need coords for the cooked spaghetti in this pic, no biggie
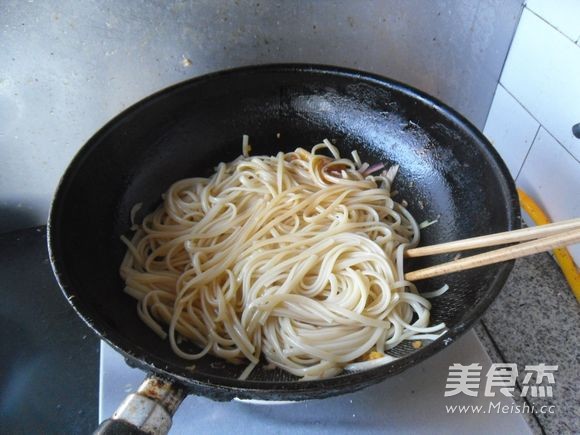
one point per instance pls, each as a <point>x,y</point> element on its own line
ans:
<point>296,258</point>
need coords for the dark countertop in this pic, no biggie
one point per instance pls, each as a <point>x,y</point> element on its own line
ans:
<point>536,320</point>
<point>50,365</point>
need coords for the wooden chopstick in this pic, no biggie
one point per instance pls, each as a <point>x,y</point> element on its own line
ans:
<point>495,239</point>
<point>498,255</point>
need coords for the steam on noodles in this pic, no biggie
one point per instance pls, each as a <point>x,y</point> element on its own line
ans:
<point>296,257</point>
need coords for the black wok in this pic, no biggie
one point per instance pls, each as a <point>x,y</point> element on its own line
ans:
<point>448,170</point>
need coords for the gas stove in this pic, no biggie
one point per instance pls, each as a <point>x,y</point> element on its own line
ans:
<point>411,402</point>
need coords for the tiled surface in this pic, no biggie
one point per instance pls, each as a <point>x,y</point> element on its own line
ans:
<point>511,129</point>
<point>535,107</point>
<point>542,72</point>
<point>552,177</point>
<point>535,320</point>
<point>564,15</point>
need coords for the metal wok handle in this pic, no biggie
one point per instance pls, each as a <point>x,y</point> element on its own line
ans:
<point>148,411</point>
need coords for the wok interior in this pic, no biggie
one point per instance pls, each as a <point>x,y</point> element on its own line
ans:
<point>447,172</point>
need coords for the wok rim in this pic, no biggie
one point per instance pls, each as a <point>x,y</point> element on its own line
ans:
<point>225,388</point>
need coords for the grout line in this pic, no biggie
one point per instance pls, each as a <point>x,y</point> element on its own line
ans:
<point>520,103</point>
<point>498,84</point>
<point>539,122</point>
<point>519,19</point>
<point>551,25</point>
<point>562,145</point>
<point>528,152</point>
<point>502,356</point>
<point>513,35</point>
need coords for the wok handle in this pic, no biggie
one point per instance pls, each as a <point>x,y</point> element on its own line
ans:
<point>148,411</point>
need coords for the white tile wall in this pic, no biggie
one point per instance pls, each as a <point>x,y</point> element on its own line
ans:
<point>552,177</point>
<point>542,71</point>
<point>511,129</point>
<point>539,98</point>
<point>564,15</point>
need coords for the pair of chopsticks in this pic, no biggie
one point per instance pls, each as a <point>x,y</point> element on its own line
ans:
<point>537,239</point>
